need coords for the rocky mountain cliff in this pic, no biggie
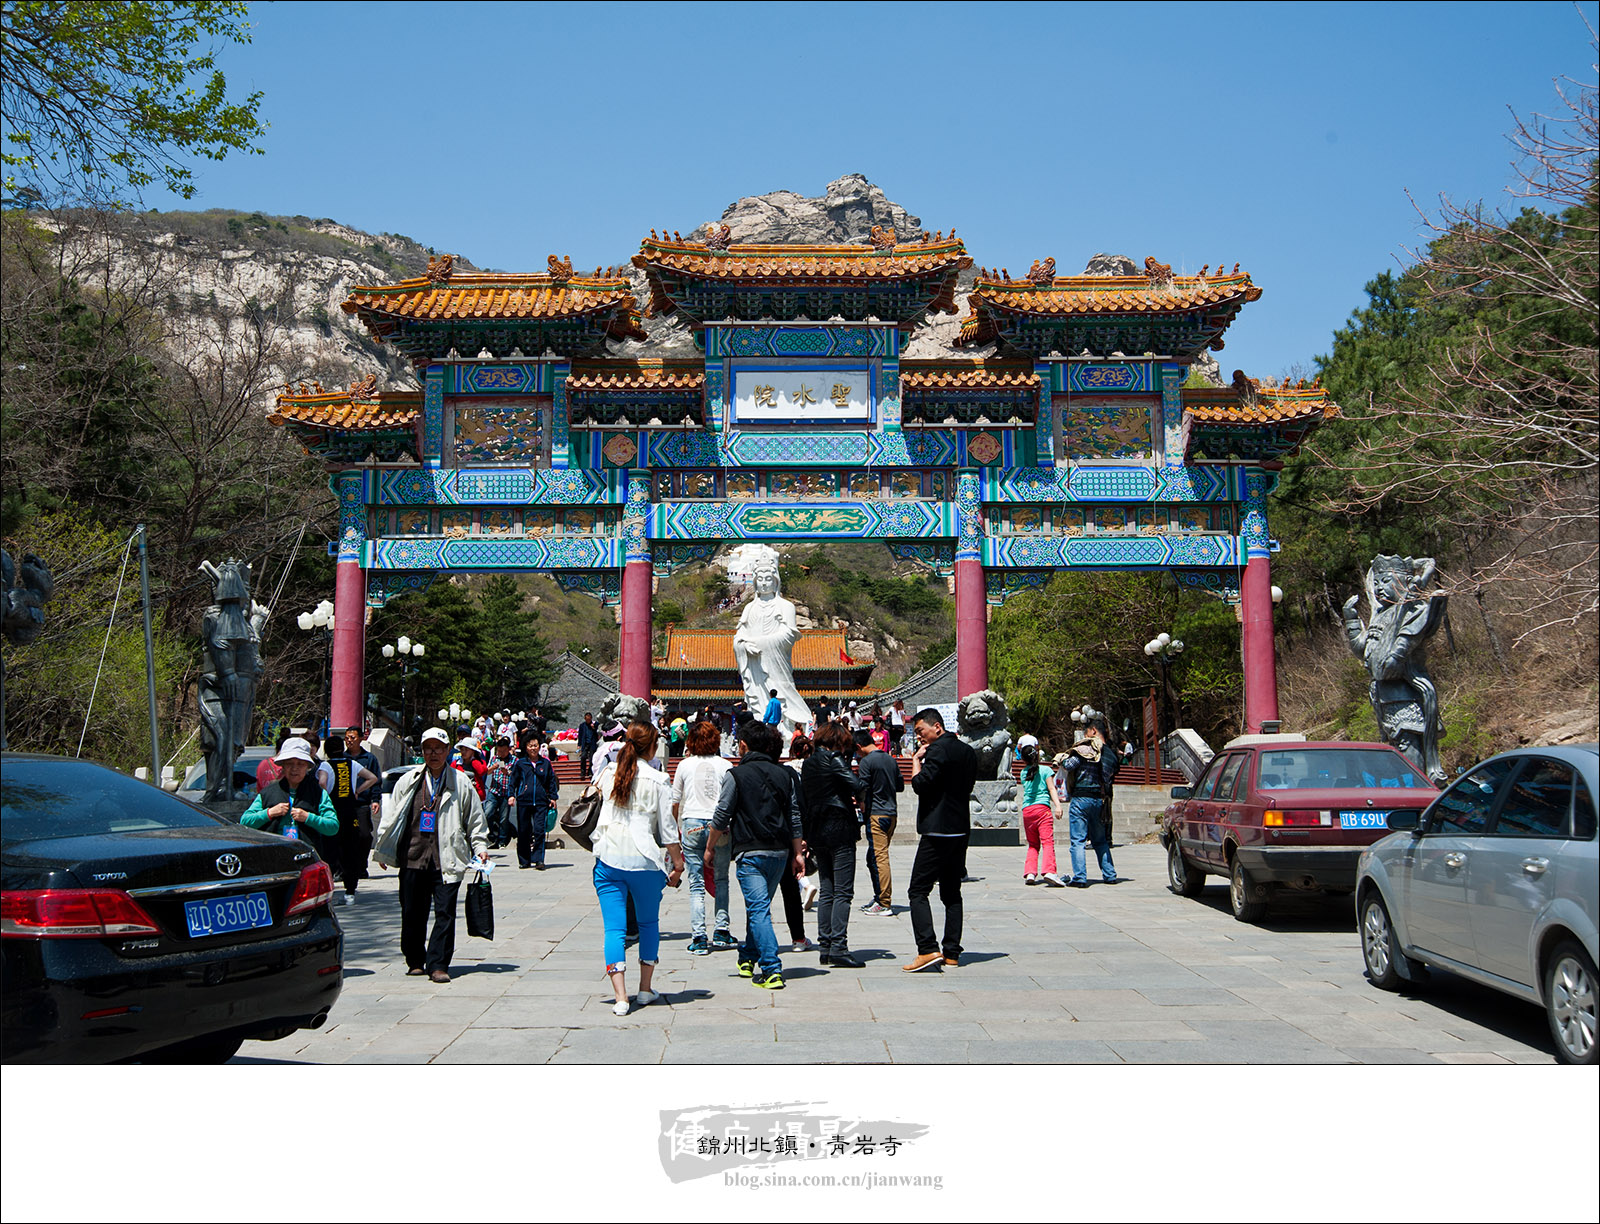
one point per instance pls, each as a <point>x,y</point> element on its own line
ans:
<point>222,267</point>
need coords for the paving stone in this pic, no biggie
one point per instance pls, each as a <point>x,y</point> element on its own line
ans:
<point>1062,1052</point>
<point>1130,973</point>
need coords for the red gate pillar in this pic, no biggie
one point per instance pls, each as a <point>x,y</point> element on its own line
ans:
<point>972,611</point>
<point>972,629</point>
<point>633,671</point>
<point>1255,607</point>
<point>349,606</point>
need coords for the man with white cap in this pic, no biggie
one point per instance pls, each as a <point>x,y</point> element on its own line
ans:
<point>433,827</point>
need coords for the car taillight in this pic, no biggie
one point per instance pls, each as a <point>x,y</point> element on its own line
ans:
<point>1274,819</point>
<point>72,913</point>
<point>313,888</point>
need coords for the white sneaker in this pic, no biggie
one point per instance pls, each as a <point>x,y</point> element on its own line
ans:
<point>349,898</point>
<point>646,997</point>
<point>801,945</point>
<point>1030,879</point>
<point>1052,880</point>
<point>620,1008</point>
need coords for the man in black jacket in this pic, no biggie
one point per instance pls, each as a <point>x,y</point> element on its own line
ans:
<point>882,813</point>
<point>759,807</point>
<point>588,741</point>
<point>942,773</point>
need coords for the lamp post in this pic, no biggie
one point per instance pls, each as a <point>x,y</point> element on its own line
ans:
<point>408,652</point>
<point>1163,649</point>
<point>321,620</point>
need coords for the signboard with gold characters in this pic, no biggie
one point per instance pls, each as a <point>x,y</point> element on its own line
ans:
<point>813,396</point>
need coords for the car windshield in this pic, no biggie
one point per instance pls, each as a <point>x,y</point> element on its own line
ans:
<point>1335,769</point>
<point>76,799</point>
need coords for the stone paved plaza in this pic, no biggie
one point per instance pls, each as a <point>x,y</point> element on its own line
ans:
<point>1103,975</point>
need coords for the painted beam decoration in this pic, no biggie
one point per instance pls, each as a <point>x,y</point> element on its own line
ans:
<point>795,400</point>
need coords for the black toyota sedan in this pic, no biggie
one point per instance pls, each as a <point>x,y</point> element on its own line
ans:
<point>137,926</point>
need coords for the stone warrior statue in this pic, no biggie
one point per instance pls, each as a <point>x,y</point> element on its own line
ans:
<point>763,645</point>
<point>231,637</point>
<point>1404,616</point>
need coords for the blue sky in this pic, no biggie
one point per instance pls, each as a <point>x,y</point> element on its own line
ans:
<point>1284,137</point>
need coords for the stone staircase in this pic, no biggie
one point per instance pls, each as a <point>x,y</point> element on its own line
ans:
<point>1136,812</point>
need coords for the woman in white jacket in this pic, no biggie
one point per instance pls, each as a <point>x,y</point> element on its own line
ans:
<point>636,854</point>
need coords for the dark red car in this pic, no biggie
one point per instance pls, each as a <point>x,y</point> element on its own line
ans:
<point>1274,812</point>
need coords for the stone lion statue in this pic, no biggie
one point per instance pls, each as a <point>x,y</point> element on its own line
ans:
<point>981,721</point>
<point>624,709</point>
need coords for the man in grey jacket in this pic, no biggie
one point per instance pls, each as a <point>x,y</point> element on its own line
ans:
<point>433,828</point>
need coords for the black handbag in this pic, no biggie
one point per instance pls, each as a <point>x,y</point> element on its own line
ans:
<point>581,817</point>
<point>480,908</point>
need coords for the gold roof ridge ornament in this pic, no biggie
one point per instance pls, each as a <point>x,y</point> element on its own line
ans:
<point>440,268</point>
<point>1159,274</point>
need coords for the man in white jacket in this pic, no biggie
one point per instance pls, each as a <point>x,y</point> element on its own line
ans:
<point>433,827</point>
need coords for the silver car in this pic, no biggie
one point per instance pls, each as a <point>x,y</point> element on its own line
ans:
<point>1496,881</point>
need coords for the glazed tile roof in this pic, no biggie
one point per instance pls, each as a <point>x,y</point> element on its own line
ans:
<point>498,298</point>
<point>662,685</point>
<point>1043,296</point>
<point>355,409</point>
<point>757,265</point>
<point>638,376</point>
<point>712,650</point>
<point>1259,405</point>
<point>971,376</point>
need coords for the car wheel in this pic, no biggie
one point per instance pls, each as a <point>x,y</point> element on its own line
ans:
<point>1183,877</point>
<point>197,1052</point>
<point>1239,888</point>
<point>1380,949</point>
<point>1569,985</point>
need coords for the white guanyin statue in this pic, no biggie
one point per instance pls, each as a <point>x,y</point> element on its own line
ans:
<point>763,645</point>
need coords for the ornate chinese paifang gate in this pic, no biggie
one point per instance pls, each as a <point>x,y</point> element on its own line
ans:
<point>1033,445</point>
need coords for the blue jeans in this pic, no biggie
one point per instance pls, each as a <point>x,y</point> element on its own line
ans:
<point>615,888</point>
<point>758,881</point>
<point>1086,820</point>
<point>694,853</point>
<point>494,808</point>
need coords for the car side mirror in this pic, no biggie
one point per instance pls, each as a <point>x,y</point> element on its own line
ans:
<point>1405,822</point>
<point>1180,792</point>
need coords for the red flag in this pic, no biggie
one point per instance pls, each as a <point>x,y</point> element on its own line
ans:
<point>844,658</point>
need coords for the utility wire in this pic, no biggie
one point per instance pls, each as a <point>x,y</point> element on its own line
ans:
<point>122,574</point>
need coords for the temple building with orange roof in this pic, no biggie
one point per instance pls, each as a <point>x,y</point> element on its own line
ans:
<point>549,436</point>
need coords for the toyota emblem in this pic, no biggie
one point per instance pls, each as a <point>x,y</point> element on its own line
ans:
<point>229,864</point>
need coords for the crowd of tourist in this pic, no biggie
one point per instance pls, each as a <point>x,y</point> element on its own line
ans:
<point>784,820</point>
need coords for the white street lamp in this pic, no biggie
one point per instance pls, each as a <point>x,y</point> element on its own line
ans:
<point>388,651</point>
<point>443,715</point>
<point>1277,595</point>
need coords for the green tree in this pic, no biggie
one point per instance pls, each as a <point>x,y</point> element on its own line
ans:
<point>105,97</point>
<point>77,682</point>
<point>517,660</point>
